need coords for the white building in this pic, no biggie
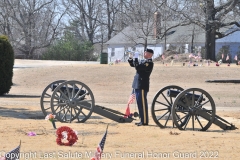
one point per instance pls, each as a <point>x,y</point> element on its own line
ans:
<point>181,38</point>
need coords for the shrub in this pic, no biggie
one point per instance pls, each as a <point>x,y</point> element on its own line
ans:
<point>71,49</point>
<point>6,65</point>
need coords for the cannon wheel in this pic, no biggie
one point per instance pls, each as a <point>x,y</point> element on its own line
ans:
<point>46,97</point>
<point>72,100</point>
<point>162,106</point>
<point>191,113</point>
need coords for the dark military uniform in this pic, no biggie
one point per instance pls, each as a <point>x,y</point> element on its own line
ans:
<point>141,85</point>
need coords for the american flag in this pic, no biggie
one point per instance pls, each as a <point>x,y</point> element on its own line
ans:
<point>236,58</point>
<point>130,101</point>
<point>176,56</point>
<point>190,55</point>
<point>14,154</point>
<point>163,57</point>
<point>100,147</point>
<point>131,98</point>
<point>227,58</point>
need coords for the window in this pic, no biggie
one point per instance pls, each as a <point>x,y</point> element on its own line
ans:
<point>112,52</point>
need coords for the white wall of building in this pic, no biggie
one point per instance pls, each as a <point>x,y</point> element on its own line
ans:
<point>120,51</point>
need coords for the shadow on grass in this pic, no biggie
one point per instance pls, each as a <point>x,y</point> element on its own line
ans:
<point>20,113</point>
<point>23,113</point>
<point>19,96</point>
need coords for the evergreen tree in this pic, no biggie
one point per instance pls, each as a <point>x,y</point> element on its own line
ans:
<point>69,48</point>
<point>6,65</point>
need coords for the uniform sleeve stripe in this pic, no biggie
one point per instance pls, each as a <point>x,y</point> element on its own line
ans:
<point>144,108</point>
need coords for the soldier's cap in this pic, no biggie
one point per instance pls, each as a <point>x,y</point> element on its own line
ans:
<point>149,50</point>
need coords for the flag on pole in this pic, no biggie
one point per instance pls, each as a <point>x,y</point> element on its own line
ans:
<point>131,98</point>
<point>127,113</point>
<point>236,58</point>
<point>130,101</point>
<point>176,56</point>
<point>100,147</point>
<point>190,55</point>
<point>163,57</point>
<point>227,58</point>
<point>14,154</point>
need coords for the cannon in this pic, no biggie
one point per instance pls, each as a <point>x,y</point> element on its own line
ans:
<point>172,106</point>
<point>74,101</point>
<point>190,109</point>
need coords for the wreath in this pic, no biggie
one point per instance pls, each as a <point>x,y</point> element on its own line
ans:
<point>71,136</point>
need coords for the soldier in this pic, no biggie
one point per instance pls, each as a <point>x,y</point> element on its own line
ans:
<point>141,82</point>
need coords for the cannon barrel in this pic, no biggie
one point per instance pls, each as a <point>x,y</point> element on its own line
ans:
<point>174,93</point>
<point>64,88</point>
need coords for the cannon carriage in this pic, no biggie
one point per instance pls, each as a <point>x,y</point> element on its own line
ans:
<point>190,109</point>
<point>74,101</point>
<point>172,106</point>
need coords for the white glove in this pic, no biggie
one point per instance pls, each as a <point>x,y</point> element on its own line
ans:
<point>130,55</point>
<point>136,55</point>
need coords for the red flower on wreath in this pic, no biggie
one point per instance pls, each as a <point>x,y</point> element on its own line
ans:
<point>70,134</point>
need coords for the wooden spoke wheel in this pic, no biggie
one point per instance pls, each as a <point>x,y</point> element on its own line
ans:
<point>162,106</point>
<point>47,95</point>
<point>72,100</point>
<point>193,109</point>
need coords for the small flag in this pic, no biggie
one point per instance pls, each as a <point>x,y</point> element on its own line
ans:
<point>190,55</point>
<point>176,56</point>
<point>131,98</point>
<point>236,58</point>
<point>14,154</point>
<point>227,58</point>
<point>127,113</point>
<point>163,57</point>
<point>130,101</point>
<point>100,147</point>
<point>199,54</point>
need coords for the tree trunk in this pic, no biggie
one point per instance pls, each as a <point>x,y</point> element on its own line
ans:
<point>210,31</point>
<point>145,44</point>
<point>207,41</point>
<point>213,44</point>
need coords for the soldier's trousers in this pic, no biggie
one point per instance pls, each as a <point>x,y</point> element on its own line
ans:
<point>141,97</point>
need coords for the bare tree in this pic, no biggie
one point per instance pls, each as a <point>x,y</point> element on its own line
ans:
<point>140,16</point>
<point>34,23</point>
<point>213,17</point>
<point>169,18</point>
<point>85,13</point>
<point>96,18</point>
<point>5,20</point>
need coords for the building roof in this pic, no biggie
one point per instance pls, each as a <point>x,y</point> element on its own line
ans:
<point>184,34</point>
<point>177,35</point>
<point>232,38</point>
<point>128,35</point>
